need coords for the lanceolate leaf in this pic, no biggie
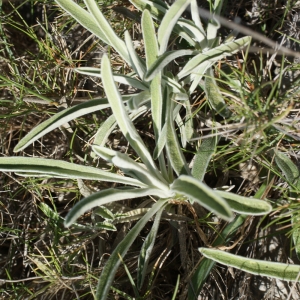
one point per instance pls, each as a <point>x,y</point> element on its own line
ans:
<point>109,125</point>
<point>258,267</point>
<point>53,215</point>
<point>59,119</point>
<point>104,197</point>
<point>289,169</point>
<point>245,205</point>
<point>212,31</point>
<point>137,64</point>
<point>164,59</point>
<point>104,212</point>
<point>151,49</point>
<point>217,6</point>
<point>130,216</point>
<point>214,55</point>
<point>111,36</point>
<point>292,174</point>
<point>198,74</point>
<point>189,120</point>
<point>105,130</point>
<point>175,86</point>
<point>169,21</point>
<point>149,34</point>
<point>142,98</point>
<point>61,169</point>
<point>197,191</point>
<point>193,31</point>
<point>296,232</point>
<point>196,17</point>
<point>214,95</point>
<point>157,10</point>
<point>104,226</point>
<point>203,156</point>
<point>111,266</point>
<point>174,151</point>
<point>83,17</point>
<point>160,144</point>
<point>132,168</point>
<point>122,117</point>
<point>124,79</point>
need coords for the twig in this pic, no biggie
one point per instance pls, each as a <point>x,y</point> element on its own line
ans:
<point>247,31</point>
<point>39,277</point>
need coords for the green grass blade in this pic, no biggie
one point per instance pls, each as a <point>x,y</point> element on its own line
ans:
<point>202,194</point>
<point>59,168</point>
<point>124,79</point>
<point>110,34</point>
<point>176,288</point>
<point>83,17</point>
<point>281,271</point>
<point>146,250</point>
<point>122,117</point>
<point>203,157</point>
<point>59,119</point>
<point>214,55</point>
<point>214,95</point>
<point>245,205</point>
<point>111,266</point>
<point>132,168</point>
<point>164,59</point>
<point>200,277</point>
<point>168,22</point>
<point>104,197</point>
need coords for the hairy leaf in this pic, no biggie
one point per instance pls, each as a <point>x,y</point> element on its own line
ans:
<point>245,205</point>
<point>61,169</point>
<point>281,271</point>
<point>197,191</point>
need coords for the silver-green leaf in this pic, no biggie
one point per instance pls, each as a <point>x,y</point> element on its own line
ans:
<point>198,192</point>
<point>245,205</point>
<point>281,271</point>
